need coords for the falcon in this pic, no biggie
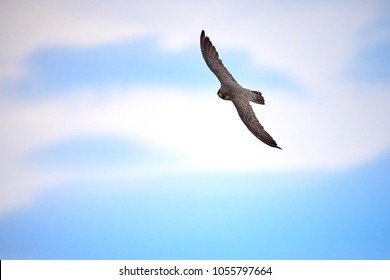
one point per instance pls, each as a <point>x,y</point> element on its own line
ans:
<point>231,90</point>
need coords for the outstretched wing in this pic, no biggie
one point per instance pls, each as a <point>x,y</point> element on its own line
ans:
<point>247,115</point>
<point>211,57</point>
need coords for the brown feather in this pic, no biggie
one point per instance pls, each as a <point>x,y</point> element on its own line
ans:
<point>248,117</point>
<point>211,57</point>
<point>238,95</point>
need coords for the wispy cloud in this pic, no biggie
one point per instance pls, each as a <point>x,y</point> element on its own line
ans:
<point>336,123</point>
<point>196,132</point>
<point>296,38</point>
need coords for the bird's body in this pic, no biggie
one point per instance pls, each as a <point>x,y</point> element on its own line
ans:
<point>231,90</point>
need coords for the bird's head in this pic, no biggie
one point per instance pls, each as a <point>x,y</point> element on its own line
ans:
<point>222,93</point>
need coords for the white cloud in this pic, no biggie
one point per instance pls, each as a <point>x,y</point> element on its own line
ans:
<point>307,40</point>
<point>27,26</point>
<point>335,124</point>
<point>198,132</point>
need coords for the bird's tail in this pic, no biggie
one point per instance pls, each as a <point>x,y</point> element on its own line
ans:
<point>257,97</point>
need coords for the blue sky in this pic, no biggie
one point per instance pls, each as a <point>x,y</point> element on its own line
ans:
<point>115,144</point>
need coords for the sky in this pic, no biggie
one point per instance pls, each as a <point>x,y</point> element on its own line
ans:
<point>115,145</point>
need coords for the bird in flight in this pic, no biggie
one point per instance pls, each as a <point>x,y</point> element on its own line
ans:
<point>231,90</point>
